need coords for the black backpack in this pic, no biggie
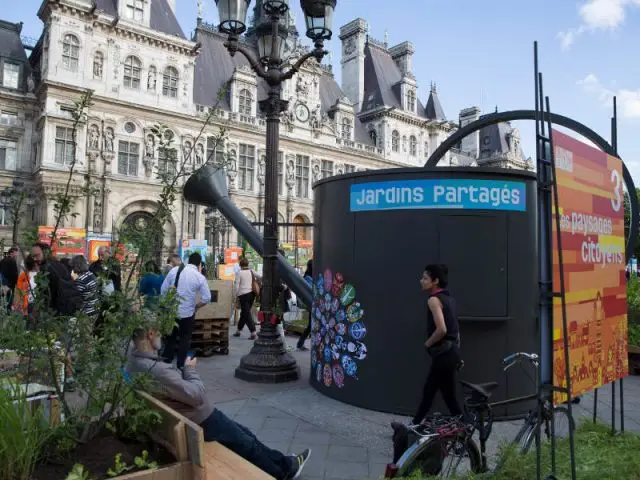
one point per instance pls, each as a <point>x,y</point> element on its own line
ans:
<point>67,298</point>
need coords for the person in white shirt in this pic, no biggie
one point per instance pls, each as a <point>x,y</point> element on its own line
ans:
<point>243,286</point>
<point>188,282</point>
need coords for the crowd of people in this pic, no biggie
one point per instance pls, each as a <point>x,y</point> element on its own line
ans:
<point>74,285</point>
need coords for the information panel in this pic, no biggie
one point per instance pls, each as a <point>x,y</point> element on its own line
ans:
<point>472,194</point>
<point>590,198</point>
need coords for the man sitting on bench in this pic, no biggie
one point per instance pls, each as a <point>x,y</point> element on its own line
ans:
<point>185,392</point>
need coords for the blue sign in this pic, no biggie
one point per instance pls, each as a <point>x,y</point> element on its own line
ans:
<point>439,194</point>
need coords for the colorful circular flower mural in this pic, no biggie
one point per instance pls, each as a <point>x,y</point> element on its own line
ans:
<point>337,330</point>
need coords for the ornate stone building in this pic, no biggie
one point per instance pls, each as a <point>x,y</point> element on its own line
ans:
<point>143,70</point>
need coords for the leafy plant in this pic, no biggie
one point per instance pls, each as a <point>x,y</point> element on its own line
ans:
<point>23,433</point>
<point>103,394</point>
<point>140,462</point>
<point>144,462</point>
<point>137,421</point>
<point>78,472</point>
<point>119,467</point>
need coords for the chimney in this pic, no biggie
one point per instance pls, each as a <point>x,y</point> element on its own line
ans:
<point>402,54</point>
<point>470,143</point>
<point>353,36</point>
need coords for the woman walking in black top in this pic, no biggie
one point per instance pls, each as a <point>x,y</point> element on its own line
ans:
<point>442,342</point>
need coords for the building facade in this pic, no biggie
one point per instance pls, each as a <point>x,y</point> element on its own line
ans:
<point>144,71</point>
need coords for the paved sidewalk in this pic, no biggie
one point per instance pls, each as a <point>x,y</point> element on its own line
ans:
<point>347,442</point>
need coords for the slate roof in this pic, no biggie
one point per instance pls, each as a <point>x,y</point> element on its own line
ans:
<point>162,17</point>
<point>433,110</point>
<point>214,67</point>
<point>109,7</point>
<point>164,20</point>
<point>10,42</point>
<point>381,84</point>
<point>494,140</point>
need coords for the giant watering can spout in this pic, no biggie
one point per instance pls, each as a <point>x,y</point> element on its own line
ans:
<point>208,187</point>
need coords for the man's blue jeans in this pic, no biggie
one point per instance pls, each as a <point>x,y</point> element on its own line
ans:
<point>239,439</point>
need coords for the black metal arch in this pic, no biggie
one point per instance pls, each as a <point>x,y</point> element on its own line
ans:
<point>499,117</point>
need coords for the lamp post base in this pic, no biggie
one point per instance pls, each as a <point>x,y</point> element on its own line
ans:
<point>268,361</point>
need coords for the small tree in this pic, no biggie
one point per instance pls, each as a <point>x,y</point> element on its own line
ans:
<point>98,360</point>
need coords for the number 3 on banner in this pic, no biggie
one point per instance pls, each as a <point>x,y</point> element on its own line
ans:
<point>616,202</point>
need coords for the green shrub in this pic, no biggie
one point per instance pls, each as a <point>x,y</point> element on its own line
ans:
<point>23,434</point>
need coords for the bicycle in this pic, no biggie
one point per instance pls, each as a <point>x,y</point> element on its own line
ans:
<point>434,445</point>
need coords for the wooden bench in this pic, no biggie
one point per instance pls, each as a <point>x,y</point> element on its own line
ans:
<point>185,440</point>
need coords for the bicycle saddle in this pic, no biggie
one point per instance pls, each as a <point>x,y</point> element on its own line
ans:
<point>483,389</point>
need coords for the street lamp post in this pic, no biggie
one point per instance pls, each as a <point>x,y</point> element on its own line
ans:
<point>268,361</point>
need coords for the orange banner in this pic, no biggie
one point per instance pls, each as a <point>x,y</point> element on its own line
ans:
<point>590,198</point>
<point>69,241</point>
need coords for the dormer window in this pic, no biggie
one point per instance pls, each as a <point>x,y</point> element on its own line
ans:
<point>245,102</point>
<point>135,10</point>
<point>10,75</point>
<point>70,52</point>
<point>346,129</point>
<point>411,101</point>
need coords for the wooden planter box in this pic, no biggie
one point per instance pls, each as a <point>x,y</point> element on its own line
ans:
<point>634,360</point>
<point>196,460</point>
<point>177,471</point>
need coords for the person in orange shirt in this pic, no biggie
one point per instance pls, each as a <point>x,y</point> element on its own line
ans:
<point>26,287</point>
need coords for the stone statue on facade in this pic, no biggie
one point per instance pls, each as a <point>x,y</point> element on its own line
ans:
<point>108,140</point>
<point>291,174</point>
<point>232,168</point>
<point>316,173</point>
<point>288,119</point>
<point>199,154</point>
<point>97,212</point>
<point>262,162</point>
<point>149,146</point>
<point>94,138</point>
<point>187,149</point>
<point>302,86</point>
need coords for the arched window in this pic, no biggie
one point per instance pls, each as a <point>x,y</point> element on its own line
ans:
<point>151,79</point>
<point>132,68</point>
<point>411,101</point>
<point>395,141</point>
<point>170,82</point>
<point>373,136</point>
<point>70,52</point>
<point>413,146</point>
<point>98,64</point>
<point>245,105</point>
<point>346,129</point>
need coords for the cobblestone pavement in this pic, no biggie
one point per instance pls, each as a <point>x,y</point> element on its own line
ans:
<point>347,442</point>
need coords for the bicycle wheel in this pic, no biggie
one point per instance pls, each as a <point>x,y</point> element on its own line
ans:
<point>561,421</point>
<point>441,457</point>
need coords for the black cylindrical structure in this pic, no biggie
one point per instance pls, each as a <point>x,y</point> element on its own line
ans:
<point>375,232</point>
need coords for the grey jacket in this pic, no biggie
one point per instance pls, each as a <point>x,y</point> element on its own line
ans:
<point>182,391</point>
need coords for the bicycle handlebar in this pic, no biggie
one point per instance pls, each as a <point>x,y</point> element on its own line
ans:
<point>512,359</point>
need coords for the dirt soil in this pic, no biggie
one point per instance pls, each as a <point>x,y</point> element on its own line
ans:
<point>98,456</point>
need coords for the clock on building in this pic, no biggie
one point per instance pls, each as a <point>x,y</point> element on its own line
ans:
<point>302,112</point>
